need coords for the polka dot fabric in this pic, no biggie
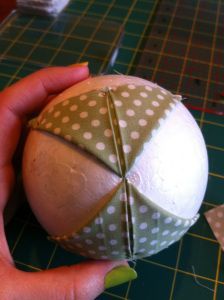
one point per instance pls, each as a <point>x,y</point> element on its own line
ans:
<point>154,228</point>
<point>103,237</point>
<point>215,218</point>
<point>130,226</point>
<point>113,124</point>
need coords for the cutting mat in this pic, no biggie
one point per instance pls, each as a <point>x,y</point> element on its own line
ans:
<point>179,45</point>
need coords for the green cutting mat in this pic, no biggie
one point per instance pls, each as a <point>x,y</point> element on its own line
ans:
<point>180,46</point>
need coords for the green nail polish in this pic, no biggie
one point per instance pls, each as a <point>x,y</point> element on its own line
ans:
<point>119,275</point>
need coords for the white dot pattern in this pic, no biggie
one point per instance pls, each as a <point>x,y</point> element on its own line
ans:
<point>99,220</point>
<point>148,88</point>
<point>65,119</point>
<point>83,97</point>
<point>118,103</point>
<point>137,102</point>
<point>103,110</point>
<point>143,94</point>
<point>122,123</point>
<point>76,126</point>
<point>131,86</point>
<point>113,242</point>
<point>155,103</point>
<point>156,215</point>
<point>142,240</point>
<point>135,135</point>
<point>57,130</point>
<point>87,135</point>
<point>155,230</point>
<point>83,114</point>
<point>143,226</point>
<point>95,123</point>
<point>100,146</point>
<point>168,220</point>
<point>108,132</point>
<point>74,107</point>
<point>149,238</point>
<point>100,235</point>
<point>113,158</point>
<point>130,112</point>
<point>125,94</point>
<point>142,122</point>
<point>111,210</point>
<point>65,103</point>
<point>57,114</point>
<point>112,227</point>
<point>127,148</point>
<point>48,125</point>
<point>149,112</point>
<point>135,111</point>
<point>97,120</point>
<point>92,103</point>
<point>143,209</point>
<point>86,229</point>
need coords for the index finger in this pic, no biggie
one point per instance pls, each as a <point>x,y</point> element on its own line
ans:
<point>31,92</point>
<point>28,95</point>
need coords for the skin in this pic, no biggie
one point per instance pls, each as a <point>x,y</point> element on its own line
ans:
<point>83,281</point>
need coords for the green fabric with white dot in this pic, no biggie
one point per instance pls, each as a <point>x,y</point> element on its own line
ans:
<point>113,124</point>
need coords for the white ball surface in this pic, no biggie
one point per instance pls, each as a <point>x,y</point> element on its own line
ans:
<point>60,179</point>
<point>173,166</point>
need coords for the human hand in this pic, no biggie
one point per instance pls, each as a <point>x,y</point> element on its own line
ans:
<point>83,281</point>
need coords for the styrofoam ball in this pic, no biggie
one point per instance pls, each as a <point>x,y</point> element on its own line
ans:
<point>100,211</point>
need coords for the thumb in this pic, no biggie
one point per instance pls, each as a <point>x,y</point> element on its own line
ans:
<point>84,281</point>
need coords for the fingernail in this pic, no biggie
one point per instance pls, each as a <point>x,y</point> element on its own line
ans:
<point>82,64</point>
<point>119,275</point>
